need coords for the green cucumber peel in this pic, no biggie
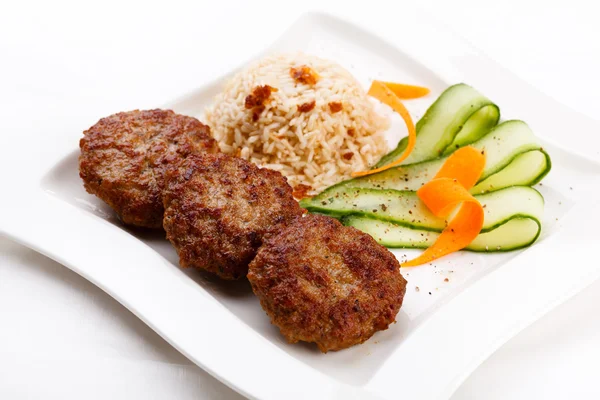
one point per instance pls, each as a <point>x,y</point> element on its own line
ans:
<point>460,116</point>
<point>405,209</point>
<point>513,234</point>
<point>513,157</point>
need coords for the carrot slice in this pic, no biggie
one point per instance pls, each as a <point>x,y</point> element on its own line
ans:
<point>407,92</point>
<point>446,191</point>
<point>465,165</point>
<point>381,92</point>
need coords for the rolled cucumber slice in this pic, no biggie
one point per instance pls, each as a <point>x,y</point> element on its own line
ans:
<point>513,157</point>
<point>404,208</point>
<point>526,169</point>
<point>514,234</point>
<point>460,116</point>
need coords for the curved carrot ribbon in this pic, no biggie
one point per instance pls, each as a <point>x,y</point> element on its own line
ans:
<point>407,92</point>
<point>446,191</point>
<point>383,93</point>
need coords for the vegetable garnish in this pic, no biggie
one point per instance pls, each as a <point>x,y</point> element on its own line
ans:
<point>407,92</point>
<point>383,93</point>
<point>447,190</point>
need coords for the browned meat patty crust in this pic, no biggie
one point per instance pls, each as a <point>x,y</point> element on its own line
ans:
<point>219,209</point>
<point>322,282</point>
<point>124,157</point>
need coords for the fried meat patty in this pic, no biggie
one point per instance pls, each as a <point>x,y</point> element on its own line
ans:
<point>322,282</point>
<point>124,157</point>
<point>219,209</point>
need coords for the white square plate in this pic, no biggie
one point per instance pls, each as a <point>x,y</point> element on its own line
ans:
<point>444,330</point>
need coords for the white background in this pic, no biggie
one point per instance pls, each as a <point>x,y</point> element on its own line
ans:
<point>64,65</point>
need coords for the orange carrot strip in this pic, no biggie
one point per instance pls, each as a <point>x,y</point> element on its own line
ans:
<point>463,228</point>
<point>381,92</point>
<point>407,92</point>
<point>447,190</point>
<point>465,164</point>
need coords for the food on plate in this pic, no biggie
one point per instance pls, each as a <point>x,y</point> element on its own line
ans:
<point>383,92</point>
<point>515,233</point>
<point>402,202</point>
<point>219,209</point>
<point>407,92</point>
<point>460,116</point>
<point>315,124</point>
<point>322,282</point>
<point>124,157</point>
<point>400,219</point>
<point>513,155</point>
<point>459,180</point>
<point>447,196</point>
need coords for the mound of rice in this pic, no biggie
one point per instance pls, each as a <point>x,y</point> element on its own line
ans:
<point>313,149</point>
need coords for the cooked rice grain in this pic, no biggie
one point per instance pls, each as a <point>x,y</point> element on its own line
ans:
<point>307,147</point>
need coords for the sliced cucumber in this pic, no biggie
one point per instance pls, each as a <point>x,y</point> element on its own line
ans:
<point>513,157</point>
<point>516,233</point>
<point>526,169</point>
<point>475,127</point>
<point>405,209</point>
<point>460,116</point>
<point>386,205</point>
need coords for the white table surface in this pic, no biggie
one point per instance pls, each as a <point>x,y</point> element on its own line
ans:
<point>63,65</point>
